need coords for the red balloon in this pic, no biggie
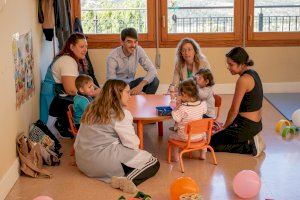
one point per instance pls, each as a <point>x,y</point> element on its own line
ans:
<point>183,185</point>
<point>246,184</point>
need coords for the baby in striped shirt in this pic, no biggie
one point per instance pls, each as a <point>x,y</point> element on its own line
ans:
<point>189,108</point>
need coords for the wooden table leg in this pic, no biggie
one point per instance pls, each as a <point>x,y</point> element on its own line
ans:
<point>160,128</point>
<point>140,133</point>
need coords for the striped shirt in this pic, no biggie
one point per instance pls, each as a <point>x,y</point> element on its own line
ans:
<point>189,111</point>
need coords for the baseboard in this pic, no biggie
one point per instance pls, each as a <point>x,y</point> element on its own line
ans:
<point>9,179</point>
<point>284,87</point>
<point>228,88</point>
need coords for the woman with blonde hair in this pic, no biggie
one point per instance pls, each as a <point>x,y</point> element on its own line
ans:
<point>189,59</point>
<point>107,147</point>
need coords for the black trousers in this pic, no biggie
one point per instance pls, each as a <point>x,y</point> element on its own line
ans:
<point>235,138</point>
<point>58,108</point>
<point>140,175</point>
<point>150,88</point>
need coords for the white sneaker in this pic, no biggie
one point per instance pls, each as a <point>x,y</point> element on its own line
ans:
<point>259,145</point>
<point>51,126</point>
<point>124,184</point>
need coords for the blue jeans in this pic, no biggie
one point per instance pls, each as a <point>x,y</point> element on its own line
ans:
<point>150,88</point>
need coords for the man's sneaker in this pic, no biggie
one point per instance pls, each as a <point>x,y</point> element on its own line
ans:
<point>258,145</point>
<point>63,130</point>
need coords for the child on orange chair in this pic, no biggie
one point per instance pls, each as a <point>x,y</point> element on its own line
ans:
<point>189,108</point>
<point>85,91</point>
<point>205,81</point>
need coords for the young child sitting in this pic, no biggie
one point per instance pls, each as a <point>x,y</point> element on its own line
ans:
<point>189,109</point>
<point>205,81</point>
<point>85,91</point>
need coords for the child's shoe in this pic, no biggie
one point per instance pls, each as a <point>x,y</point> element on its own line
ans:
<point>175,158</point>
<point>175,155</point>
<point>203,154</point>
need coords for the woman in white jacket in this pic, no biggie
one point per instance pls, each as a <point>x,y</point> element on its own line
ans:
<point>107,146</point>
<point>189,59</point>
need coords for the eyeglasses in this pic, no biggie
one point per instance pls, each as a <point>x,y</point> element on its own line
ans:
<point>129,42</point>
<point>186,50</point>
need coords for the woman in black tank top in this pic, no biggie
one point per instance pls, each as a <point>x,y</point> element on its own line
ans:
<point>243,122</point>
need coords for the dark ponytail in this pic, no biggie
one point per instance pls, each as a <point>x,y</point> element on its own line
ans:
<point>240,56</point>
<point>250,63</point>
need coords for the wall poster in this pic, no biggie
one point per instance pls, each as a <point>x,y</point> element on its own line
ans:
<point>23,61</point>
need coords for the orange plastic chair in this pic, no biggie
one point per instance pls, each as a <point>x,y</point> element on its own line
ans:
<point>193,127</point>
<point>218,102</point>
<point>72,124</point>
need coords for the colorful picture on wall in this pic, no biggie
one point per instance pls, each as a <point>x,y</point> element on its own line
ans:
<point>23,61</point>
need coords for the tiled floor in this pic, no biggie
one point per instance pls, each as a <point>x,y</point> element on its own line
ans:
<point>278,167</point>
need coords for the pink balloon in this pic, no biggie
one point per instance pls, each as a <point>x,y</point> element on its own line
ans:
<point>42,198</point>
<point>246,184</point>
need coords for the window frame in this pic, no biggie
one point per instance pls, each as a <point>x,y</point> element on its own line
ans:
<point>243,33</point>
<point>268,38</point>
<point>205,39</point>
<point>96,41</point>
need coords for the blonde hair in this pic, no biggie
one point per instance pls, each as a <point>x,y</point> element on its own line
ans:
<point>198,54</point>
<point>106,105</point>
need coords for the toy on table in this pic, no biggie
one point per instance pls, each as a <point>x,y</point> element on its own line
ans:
<point>163,110</point>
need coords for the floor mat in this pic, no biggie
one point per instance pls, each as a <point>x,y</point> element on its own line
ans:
<point>285,103</point>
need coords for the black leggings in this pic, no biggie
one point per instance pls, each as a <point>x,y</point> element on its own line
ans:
<point>235,138</point>
<point>140,175</point>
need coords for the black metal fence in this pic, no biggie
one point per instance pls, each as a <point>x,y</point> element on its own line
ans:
<point>94,22</point>
<point>262,22</point>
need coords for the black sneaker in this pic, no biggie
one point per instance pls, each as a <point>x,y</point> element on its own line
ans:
<point>63,131</point>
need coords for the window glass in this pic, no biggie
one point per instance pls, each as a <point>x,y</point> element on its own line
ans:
<point>195,16</point>
<point>276,15</point>
<point>111,16</point>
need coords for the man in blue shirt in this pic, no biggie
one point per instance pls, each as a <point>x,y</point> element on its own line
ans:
<point>122,63</point>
